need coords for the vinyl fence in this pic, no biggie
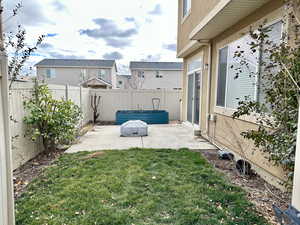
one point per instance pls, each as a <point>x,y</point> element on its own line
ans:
<point>114,100</point>
<point>24,149</point>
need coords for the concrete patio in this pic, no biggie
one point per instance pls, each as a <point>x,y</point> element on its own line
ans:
<point>172,136</point>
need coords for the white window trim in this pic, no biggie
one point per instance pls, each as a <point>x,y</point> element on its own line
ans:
<point>200,70</point>
<point>225,111</point>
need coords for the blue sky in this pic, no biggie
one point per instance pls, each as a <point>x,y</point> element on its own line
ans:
<point>125,30</point>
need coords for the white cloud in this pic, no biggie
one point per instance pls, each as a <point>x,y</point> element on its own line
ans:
<point>125,27</point>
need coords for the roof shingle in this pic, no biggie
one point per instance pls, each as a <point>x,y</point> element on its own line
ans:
<point>156,65</point>
<point>76,63</point>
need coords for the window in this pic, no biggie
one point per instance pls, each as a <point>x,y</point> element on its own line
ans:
<point>158,74</point>
<point>186,7</point>
<point>120,82</point>
<point>50,73</point>
<point>223,54</point>
<point>231,90</point>
<point>102,74</point>
<point>275,35</point>
<point>141,74</point>
<point>83,74</point>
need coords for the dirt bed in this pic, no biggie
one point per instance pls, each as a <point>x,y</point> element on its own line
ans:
<point>262,194</point>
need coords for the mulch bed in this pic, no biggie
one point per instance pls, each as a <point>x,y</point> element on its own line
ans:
<point>260,193</point>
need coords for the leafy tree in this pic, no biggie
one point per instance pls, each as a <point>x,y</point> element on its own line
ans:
<point>277,113</point>
<point>54,121</point>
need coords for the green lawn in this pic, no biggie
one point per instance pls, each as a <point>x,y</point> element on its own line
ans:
<point>134,187</point>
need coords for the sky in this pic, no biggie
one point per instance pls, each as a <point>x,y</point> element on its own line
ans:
<point>124,30</point>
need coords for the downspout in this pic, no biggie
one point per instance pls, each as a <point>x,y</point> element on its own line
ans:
<point>209,78</point>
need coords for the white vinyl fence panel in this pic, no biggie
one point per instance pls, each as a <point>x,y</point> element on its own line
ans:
<point>86,105</point>
<point>114,100</point>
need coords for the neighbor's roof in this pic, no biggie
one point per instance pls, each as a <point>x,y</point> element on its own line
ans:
<point>95,81</point>
<point>76,63</point>
<point>157,65</point>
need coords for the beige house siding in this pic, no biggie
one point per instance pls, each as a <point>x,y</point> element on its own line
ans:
<point>73,75</point>
<point>171,79</point>
<point>225,132</point>
<point>199,9</point>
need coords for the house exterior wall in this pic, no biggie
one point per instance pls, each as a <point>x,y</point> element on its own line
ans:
<point>124,79</point>
<point>171,79</point>
<point>224,131</point>
<point>113,77</point>
<point>73,75</point>
<point>200,8</point>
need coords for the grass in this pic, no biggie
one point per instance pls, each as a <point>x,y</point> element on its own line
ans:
<point>134,187</point>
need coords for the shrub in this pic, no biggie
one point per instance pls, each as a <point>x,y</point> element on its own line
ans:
<point>54,121</point>
<point>277,114</point>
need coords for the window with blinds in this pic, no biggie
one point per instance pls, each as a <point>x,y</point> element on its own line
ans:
<point>231,90</point>
<point>223,55</point>
<point>245,85</point>
<point>275,36</point>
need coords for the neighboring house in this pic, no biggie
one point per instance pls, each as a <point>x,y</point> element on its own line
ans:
<point>123,81</point>
<point>76,72</point>
<point>156,75</point>
<point>209,33</point>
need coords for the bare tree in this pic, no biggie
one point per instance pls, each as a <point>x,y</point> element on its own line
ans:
<point>16,43</point>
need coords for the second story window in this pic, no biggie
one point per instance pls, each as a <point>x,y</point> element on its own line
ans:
<point>101,74</point>
<point>186,7</point>
<point>141,74</point>
<point>83,74</point>
<point>50,73</point>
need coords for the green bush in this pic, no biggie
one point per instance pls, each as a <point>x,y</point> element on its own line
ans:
<point>277,114</point>
<point>54,121</point>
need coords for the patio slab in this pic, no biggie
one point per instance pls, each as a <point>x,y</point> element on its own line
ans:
<point>172,136</point>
